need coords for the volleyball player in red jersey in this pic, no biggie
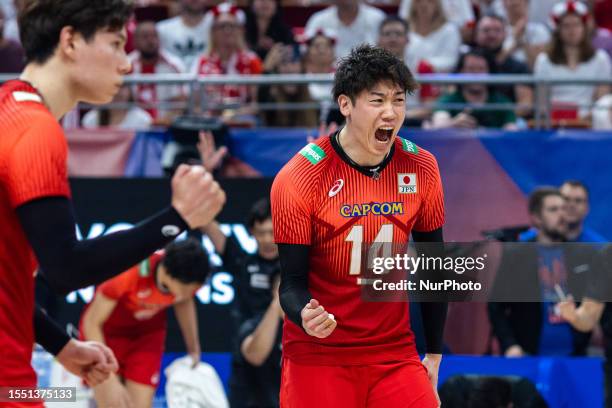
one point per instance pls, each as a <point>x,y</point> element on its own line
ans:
<point>361,184</point>
<point>74,51</point>
<point>128,314</point>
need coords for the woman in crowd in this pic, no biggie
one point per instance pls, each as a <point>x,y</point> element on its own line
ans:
<point>265,26</point>
<point>434,41</point>
<point>571,55</point>
<point>228,54</point>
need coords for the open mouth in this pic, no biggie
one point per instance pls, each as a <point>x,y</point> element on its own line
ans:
<point>383,134</point>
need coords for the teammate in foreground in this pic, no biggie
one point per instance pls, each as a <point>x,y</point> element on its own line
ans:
<point>74,51</point>
<point>365,356</point>
<point>128,314</point>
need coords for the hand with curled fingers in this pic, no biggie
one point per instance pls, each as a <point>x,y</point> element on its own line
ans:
<point>196,196</point>
<point>316,321</point>
<point>90,360</point>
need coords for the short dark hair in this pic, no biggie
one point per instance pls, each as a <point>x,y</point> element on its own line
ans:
<point>40,22</point>
<point>186,261</point>
<point>394,19</point>
<point>476,52</point>
<point>490,392</point>
<point>366,66</point>
<point>576,183</point>
<point>259,212</point>
<point>494,16</point>
<point>537,196</point>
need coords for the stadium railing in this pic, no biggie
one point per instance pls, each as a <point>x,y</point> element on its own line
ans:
<point>197,98</point>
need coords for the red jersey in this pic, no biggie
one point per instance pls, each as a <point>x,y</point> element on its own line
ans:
<point>320,200</point>
<point>243,62</point>
<point>140,304</point>
<point>33,153</point>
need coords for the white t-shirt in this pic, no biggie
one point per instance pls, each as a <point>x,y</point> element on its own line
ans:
<point>440,48</point>
<point>149,94</point>
<point>135,119</point>
<point>363,30</point>
<point>602,113</point>
<point>182,41</point>
<point>535,34</point>
<point>459,12</point>
<point>597,67</point>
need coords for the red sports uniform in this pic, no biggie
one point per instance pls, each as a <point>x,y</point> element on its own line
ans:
<point>320,200</point>
<point>136,328</point>
<point>33,154</point>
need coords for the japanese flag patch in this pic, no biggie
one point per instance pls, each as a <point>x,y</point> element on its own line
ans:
<point>407,183</point>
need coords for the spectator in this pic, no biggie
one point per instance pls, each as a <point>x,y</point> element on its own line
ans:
<point>576,195</point>
<point>260,347</point>
<point>11,53</point>
<point>227,54</point>
<point>571,55</point>
<point>121,117</point>
<point>265,26</point>
<point>286,59</point>
<point>602,113</point>
<point>434,41</point>
<point>476,95</point>
<point>147,58</point>
<point>458,12</point>
<point>319,58</point>
<point>254,276</point>
<point>527,38</point>
<point>393,36</point>
<point>529,280</point>
<point>352,21</point>
<point>186,36</point>
<point>490,35</point>
<point>10,29</point>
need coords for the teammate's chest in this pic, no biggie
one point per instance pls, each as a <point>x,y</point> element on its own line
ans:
<point>350,198</point>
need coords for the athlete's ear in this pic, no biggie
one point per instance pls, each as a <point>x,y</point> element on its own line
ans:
<point>345,104</point>
<point>67,39</point>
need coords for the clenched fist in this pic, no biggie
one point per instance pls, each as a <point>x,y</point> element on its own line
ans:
<point>196,196</point>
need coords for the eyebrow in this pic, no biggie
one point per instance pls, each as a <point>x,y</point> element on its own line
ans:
<point>382,94</point>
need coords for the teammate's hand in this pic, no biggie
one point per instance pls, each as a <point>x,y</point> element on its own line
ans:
<point>196,357</point>
<point>432,364</point>
<point>515,351</point>
<point>567,309</point>
<point>209,154</point>
<point>196,196</point>
<point>316,321</point>
<point>90,360</point>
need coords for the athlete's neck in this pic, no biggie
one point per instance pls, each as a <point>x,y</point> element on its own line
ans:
<point>54,88</point>
<point>352,147</point>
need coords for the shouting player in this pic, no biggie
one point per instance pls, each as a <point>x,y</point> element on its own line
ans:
<point>338,350</point>
<point>128,314</point>
<point>75,52</point>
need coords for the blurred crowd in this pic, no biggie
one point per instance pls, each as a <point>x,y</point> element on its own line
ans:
<point>547,39</point>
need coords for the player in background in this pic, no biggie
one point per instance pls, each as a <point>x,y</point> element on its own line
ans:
<point>75,52</point>
<point>128,314</point>
<point>362,184</point>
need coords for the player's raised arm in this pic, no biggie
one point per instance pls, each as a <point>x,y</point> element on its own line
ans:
<point>70,264</point>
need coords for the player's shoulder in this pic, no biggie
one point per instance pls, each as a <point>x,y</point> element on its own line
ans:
<point>23,108</point>
<point>309,162</point>
<point>409,151</point>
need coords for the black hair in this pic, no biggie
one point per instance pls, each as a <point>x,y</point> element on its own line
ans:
<point>186,261</point>
<point>41,21</point>
<point>394,19</point>
<point>577,183</point>
<point>260,211</point>
<point>537,197</point>
<point>476,52</point>
<point>491,392</point>
<point>366,66</point>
